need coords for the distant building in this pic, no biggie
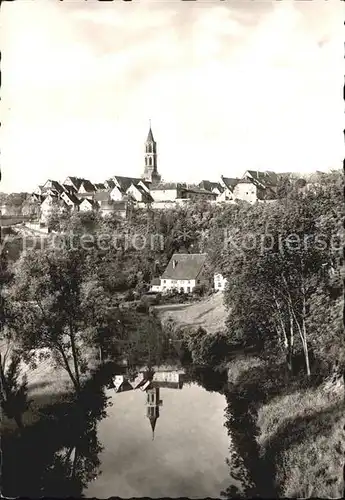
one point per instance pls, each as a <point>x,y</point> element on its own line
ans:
<point>219,282</point>
<point>87,205</point>
<point>228,185</point>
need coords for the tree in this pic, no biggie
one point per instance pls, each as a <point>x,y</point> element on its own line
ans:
<point>273,280</point>
<point>50,308</point>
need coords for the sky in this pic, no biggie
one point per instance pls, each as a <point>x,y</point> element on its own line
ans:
<point>229,85</point>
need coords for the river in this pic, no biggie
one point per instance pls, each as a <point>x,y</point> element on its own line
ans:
<point>158,434</point>
<point>185,456</point>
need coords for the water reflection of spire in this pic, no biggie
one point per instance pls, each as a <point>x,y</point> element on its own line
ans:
<point>153,404</point>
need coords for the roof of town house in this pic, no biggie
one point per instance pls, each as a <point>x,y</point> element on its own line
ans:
<point>55,185</point>
<point>88,186</point>
<point>110,183</point>
<point>147,198</point>
<point>100,186</point>
<point>209,185</point>
<point>76,181</point>
<point>230,182</point>
<point>125,182</point>
<point>162,186</point>
<point>199,191</point>
<point>88,201</point>
<point>72,197</point>
<point>267,177</point>
<point>188,266</point>
<point>69,189</point>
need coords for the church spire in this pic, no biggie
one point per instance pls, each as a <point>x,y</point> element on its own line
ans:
<point>150,134</point>
<point>150,171</point>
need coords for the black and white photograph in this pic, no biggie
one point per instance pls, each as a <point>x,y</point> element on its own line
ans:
<point>172,249</point>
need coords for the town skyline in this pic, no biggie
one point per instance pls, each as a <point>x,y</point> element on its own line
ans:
<point>228,86</point>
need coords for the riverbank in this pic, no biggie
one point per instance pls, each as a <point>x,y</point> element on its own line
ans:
<point>297,426</point>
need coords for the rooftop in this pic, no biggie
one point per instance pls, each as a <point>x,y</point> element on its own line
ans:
<point>185,266</point>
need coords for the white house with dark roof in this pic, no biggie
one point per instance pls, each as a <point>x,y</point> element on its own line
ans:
<point>86,205</point>
<point>228,184</point>
<point>155,285</point>
<point>184,272</point>
<point>252,189</point>
<point>219,282</point>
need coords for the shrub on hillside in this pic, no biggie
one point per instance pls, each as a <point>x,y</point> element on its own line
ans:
<point>206,349</point>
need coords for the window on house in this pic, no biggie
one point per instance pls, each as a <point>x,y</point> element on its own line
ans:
<point>198,282</point>
<point>164,281</point>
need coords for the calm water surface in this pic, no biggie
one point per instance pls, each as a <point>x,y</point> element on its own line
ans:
<point>185,456</point>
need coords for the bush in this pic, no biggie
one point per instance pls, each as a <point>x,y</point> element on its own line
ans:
<point>199,290</point>
<point>129,296</point>
<point>207,349</point>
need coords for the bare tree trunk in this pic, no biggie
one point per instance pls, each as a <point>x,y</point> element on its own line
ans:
<point>304,331</point>
<point>286,340</point>
<point>75,356</point>
<point>290,342</point>
<point>305,347</point>
<point>68,368</point>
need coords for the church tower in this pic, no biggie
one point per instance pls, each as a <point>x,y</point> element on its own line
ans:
<point>152,407</point>
<point>150,171</point>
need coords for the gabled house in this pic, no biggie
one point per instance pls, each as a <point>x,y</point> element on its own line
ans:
<point>86,189</point>
<point>184,272</point>
<point>51,186</point>
<point>50,203</point>
<point>264,178</point>
<point>71,201</point>
<point>116,194</point>
<point>214,187</point>
<point>139,194</point>
<point>109,184</point>
<point>123,183</point>
<point>228,185</point>
<point>86,205</point>
<point>254,188</point>
<point>74,182</point>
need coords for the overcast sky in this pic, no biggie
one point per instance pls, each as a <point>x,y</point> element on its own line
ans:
<point>228,85</point>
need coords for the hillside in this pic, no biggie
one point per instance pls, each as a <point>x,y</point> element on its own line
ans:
<point>209,313</point>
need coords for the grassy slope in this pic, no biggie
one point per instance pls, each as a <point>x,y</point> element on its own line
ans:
<point>209,313</point>
<point>302,434</point>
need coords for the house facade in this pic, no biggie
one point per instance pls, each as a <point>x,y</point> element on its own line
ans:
<point>184,272</point>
